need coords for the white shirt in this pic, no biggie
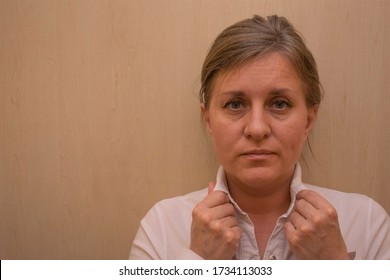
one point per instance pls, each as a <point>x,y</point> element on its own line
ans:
<point>165,230</point>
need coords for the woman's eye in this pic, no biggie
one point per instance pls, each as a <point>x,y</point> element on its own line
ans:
<point>281,105</point>
<point>234,105</point>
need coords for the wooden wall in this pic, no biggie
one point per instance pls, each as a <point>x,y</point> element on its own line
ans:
<point>99,116</point>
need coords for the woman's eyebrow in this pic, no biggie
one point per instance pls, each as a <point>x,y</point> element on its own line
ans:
<point>240,93</point>
<point>232,93</point>
<point>280,91</point>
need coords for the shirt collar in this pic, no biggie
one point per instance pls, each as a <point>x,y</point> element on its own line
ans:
<point>295,187</point>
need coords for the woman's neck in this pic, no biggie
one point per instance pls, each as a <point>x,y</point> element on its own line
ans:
<point>265,200</point>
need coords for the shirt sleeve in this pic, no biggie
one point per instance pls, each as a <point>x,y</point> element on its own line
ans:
<point>145,248</point>
<point>378,232</point>
<point>163,234</point>
<point>142,248</point>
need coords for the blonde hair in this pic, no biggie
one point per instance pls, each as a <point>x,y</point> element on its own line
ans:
<point>252,38</point>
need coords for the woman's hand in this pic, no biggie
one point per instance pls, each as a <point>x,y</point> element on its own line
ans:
<point>313,230</point>
<point>214,230</point>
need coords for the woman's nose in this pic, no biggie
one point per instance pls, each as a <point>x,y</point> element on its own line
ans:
<point>257,126</point>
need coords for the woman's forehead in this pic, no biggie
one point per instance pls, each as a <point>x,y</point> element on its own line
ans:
<point>272,68</point>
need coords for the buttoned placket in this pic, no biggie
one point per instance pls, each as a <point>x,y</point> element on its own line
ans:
<point>248,249</point>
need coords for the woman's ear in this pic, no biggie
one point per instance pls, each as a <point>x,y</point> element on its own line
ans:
<point>312,113</point>
<point>205,117</point>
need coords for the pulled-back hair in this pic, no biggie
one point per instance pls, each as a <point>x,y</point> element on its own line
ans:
<point>251,38</point>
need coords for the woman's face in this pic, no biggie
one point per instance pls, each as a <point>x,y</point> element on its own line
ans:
<point>258,121</point>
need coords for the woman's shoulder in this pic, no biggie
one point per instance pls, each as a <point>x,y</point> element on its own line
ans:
<point>190,199</point>
<point>179,205</point>
<point>332,192</point>
<point>347,201</point>
<point>336,195</point>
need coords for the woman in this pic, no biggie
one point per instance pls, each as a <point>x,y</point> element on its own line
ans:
<point>260,96</point>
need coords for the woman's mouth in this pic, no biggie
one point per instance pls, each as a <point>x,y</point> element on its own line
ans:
<point>258,154</point>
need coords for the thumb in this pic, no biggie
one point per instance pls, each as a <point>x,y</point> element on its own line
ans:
<point>211,187</point>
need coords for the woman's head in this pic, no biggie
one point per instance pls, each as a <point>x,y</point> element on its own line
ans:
<point>259,100</point>
<point>255,37</point>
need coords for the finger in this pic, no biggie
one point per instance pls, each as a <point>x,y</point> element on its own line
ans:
<point>229,222</point>
<point>211,187</point>
<point>298,221</point>
<point>313,198</point>
<point>216,198</point>
<point>289,229</point>
<point>237,231</point>
<point>222,211</point>
<point>306,209</point>
<point>212,208</point>
<point>231,239</point>
<point>222,224</point>
<point>233,235</point>
<point>293,238</point>
<point>324,210</point>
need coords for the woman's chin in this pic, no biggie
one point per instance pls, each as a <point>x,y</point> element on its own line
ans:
<point>259,179</point>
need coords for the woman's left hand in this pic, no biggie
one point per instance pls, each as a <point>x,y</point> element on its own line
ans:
<point>313,230</point>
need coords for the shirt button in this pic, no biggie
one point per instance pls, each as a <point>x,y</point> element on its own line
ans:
<point>272,257</point>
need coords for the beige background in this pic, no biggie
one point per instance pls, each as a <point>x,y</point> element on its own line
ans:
<point>99,115</point>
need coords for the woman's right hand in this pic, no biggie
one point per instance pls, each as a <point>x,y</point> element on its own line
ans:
<point>215,233</point>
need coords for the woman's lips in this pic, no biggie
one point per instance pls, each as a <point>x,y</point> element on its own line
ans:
<point>258,154</point>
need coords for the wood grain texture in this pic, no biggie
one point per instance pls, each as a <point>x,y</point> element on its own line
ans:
<point>99,116</point>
